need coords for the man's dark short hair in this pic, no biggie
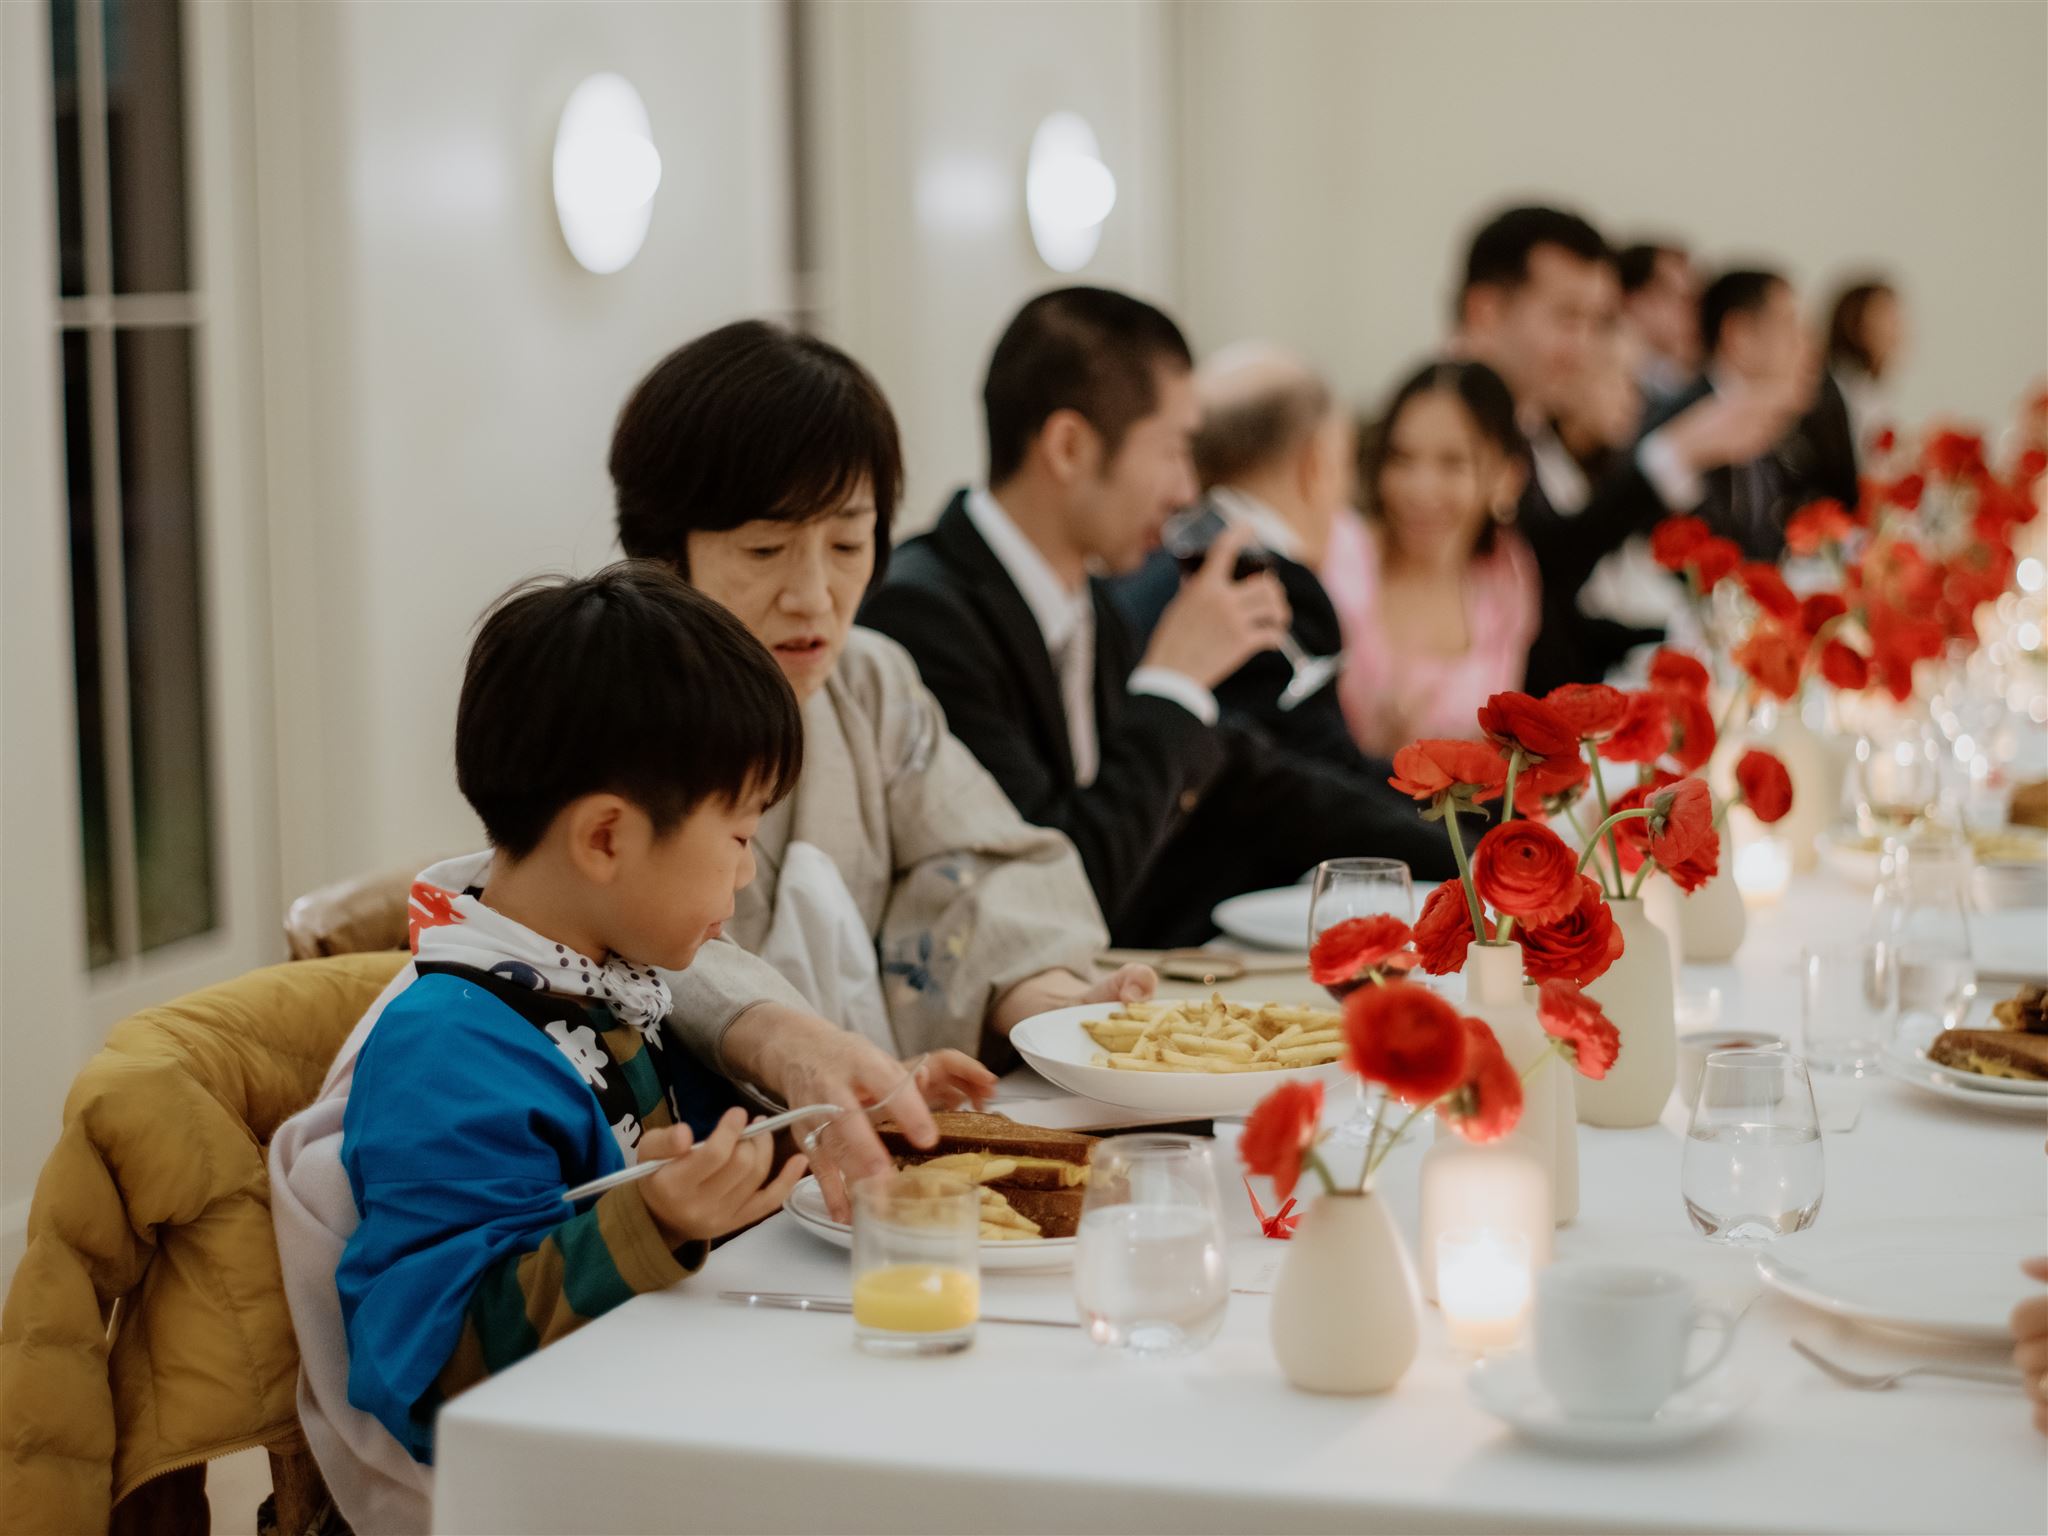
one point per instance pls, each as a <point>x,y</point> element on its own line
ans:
<point>628,682</point>
<point>750,421</point>
<point>1500,251</point>
<point>1636,265</point>
<point>1090,350</point>
<point>1742,291</point>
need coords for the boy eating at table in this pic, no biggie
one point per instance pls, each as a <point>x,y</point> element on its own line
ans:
<point>620,737</point>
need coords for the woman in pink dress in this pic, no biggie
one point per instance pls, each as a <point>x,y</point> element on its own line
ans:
<point>1438,597</point>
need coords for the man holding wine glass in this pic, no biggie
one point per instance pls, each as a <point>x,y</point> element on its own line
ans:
<point>1090,406</point>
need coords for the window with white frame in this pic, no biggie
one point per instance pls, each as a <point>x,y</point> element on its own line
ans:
<point>130,321</point>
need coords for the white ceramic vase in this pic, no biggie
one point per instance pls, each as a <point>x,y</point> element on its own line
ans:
<point>1345,1308</point>
<point>1713,921</point>
<point>1816,781</point>
<point>1664,906</point>
<point>1548,1131</point>
<point>1638,997</point>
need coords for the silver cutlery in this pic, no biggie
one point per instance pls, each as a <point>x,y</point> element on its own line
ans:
<point>1884,1381</point>
<point>794,1302</point>
<point>643,1168</point>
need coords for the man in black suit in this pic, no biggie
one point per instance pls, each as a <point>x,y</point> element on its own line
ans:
<point>1090,405</point>
<point>1756,343</point>
<point>1528,306</point>
<point>1274,455</point>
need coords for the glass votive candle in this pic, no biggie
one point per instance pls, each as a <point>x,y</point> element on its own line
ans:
<point>1763,871</point>
<point>1483,1284</point>
<point>916,1263</point>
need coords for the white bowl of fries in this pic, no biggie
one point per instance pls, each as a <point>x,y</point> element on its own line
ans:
<point>1188,1057</point>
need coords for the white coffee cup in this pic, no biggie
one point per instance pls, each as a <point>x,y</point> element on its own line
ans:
<point>1612,1339</point>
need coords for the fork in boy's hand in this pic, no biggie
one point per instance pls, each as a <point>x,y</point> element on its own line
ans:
<point>647,1166</point>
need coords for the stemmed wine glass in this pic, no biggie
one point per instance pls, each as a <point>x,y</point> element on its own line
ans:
<point>1344,889</point>
<point>1187,537</point>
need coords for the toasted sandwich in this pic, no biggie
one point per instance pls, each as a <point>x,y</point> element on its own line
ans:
<point>1041,1176</point>
<point>1992,1053</point>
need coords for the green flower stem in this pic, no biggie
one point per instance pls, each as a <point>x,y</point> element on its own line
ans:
<point>1373,1160</point>
<point>1314,1159</point>
<point>1593,843</point>
<point>1606,830</point>
<point>1552,1047</point>
<point>1514,771</point>
<point>1641,875</point>
<point>1464,871</point>
<point>1735,701</point>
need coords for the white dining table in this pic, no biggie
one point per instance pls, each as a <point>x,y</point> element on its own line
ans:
<point>682,1412</point>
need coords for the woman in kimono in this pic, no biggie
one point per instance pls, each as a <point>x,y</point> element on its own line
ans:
<point>899,895</point>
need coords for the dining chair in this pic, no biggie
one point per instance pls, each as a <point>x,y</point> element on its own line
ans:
<point>351,917</point>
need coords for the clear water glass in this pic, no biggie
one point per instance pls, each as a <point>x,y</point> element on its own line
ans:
<point>1921,918</point>
<point>1151,1276</point>
<point>1753,1168</point>
<point>1849,1006</point>
<point>1341,890</point>
<point>1898,774</point>
<point>916,1262</point>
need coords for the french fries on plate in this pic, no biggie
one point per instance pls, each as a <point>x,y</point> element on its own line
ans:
<point>1215,1036</point>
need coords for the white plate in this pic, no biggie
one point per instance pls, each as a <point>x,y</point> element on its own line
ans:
<point>1898,1062</point>
<point>807,1205</point>
<point>1278,919</point>
<point>1506,1386</point>
<point>1059,1048</point>
<point>2010,945</point>
<point>1909,1051</point>
<point>1944,1277</point>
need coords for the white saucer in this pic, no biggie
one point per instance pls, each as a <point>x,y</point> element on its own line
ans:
<point>1506,1387</point>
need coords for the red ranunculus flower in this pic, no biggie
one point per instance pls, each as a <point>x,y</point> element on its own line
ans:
<point>1692,728</point>
<point>1645,733</point>
<point>1684,820</point>
<point>1885,441</point>
<point>1567,1014</point>
<point>1817,524</point>
<point>1674,541</point>
<point>1579,946</point>
<point>1771,659</point>
<point>1675,669</point>
<point>1488,1103</point>
<point>1953,455</point>
<point>1844,666</point>
<point>1279,1131</point>
<point>1517,720</point>
<point>1524,869</point>
<point>2031,466</point>
<point>1820,610</point>
<point>1766,786</point>
<point>1767,589</point>
<point>1348,950</point>
<point>1905,492</point>
<point>1714,561</point>
<point>1547,788</point>
<point>1444,930</point>
<point>1429,769</point>
<point>1689,874</point>
<point>1406,1038</point>
<point>1594,709</point>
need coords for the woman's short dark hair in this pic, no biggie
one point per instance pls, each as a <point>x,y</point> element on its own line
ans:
<point>750,421</point>
<point>627,682</point>
<point>1486,399</point>
<point>1848,337</point>
<point>1090,350</point>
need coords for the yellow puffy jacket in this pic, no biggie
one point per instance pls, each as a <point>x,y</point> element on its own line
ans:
<point>153,1214</point>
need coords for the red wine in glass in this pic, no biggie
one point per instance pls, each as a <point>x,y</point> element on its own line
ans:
<point>1188,535</point>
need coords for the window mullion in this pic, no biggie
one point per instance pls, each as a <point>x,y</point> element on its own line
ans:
<point>108,534</point>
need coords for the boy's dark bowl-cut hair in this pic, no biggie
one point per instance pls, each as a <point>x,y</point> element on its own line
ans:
<point>625,682</point>
<point>750,421</point>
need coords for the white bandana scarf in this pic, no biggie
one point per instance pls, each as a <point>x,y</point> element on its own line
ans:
<point>447,923</point>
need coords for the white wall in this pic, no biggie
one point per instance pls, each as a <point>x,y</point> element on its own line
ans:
<point>1336,156</point>
<point>921,116</point>
<point>442,375</point>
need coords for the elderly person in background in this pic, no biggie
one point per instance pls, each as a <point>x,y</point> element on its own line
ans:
<point>1274,455</point>
<point>1660,308</point>
<point>901,904</point>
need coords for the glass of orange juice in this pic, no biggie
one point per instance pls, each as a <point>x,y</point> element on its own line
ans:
<point>916,1262</point>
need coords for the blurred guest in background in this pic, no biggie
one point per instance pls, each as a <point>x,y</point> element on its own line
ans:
<point>1437,593</point>
<point>1090,405</point>
<point>1757,347</point>
<point>1529,307</point>
<point>1660,300</point>
<point>1274,456</point>
<point>1866,334</point>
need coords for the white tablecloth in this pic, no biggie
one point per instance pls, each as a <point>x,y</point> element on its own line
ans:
<point>679,1412</point>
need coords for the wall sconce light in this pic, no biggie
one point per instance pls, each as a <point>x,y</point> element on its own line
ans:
<point>606,172</point>
<point>1068,191</point>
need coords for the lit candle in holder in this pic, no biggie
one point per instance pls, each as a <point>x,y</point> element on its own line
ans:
<point>1482,1280</point>
<point>1763,870</point>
